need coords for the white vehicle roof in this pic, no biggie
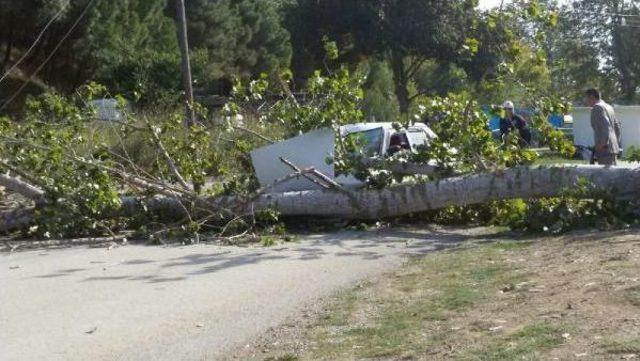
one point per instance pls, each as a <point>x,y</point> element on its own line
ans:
<point>363,127</point>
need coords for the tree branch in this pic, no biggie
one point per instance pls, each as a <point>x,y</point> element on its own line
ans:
<point>415,67</point>
<point>247,130</point>
<point>21,187</point>
<point>166,156</point>
<point>306,175</point>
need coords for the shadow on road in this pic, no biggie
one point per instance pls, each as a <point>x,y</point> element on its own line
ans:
<point>369,245</point>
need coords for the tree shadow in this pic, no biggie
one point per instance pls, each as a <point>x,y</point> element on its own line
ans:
<point>366,245</point>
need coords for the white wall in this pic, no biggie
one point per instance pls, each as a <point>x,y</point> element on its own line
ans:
<point>629,117</point>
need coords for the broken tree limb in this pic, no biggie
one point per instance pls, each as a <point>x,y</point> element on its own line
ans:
<point>25,176</point>
<point>131,179</point>
<point>321,179</point>
<point>21,187</point>
<point>254,133</point>
<point>17,219</point>
<point>172,165</point>
<point>297,174</point>
<point>305,175</point>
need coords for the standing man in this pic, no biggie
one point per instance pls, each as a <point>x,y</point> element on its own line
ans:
<point>603,122</point>
<point>513,120</point>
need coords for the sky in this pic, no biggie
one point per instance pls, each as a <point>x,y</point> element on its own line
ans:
<point>487,4</point>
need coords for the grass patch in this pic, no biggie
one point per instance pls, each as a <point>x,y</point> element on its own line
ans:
<point>621,346</point>
<point>287,357</point>
<point>512,245</point>
<point>525,344</point>
<point>512,299</point>
<point>554,159</point>
<point>397,319</point>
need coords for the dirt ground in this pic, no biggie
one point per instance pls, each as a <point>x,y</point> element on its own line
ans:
<point>572,297</point>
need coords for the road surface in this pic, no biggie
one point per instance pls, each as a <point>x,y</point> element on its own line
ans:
<point>180,303</point>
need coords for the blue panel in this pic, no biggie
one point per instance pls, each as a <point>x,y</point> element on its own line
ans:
<point>556,120</point>
<point>494,122</point>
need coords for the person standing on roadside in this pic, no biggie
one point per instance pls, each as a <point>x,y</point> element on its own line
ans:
<point>604,123</point>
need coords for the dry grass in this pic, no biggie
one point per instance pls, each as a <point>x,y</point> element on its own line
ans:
<point>563,298</point>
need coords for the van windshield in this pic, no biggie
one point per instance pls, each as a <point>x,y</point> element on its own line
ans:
<point>369,140</point>
<point>417,139</point>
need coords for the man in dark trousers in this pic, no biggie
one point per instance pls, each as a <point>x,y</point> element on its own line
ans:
<point>514,121</point>
<point>606,129</point>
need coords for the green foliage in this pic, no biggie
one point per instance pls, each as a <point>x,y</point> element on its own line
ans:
<point>608,27</point>
<point>52,147</point>
<point>331,101</point>
<point>379,103</point>
<point>581,206</point>
<point>525,344</point>
<point>393,29</point>
<point>554,138</point>
<point>465,143</point>
<point>235,39</point>
<point>131,46</point>
<point>632,154</point>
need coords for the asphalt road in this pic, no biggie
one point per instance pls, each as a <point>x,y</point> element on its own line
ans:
<point>180,303</point>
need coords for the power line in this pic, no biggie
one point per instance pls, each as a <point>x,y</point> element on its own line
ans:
<point>38,38</point>
<point>55,49</point>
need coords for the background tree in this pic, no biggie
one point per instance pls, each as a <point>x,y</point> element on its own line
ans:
<point>379,103</point>
<point>131,46</point>
<point>613,28</point>
<point>21,21</point>
<point>235,39</point>
<point>406,32</point>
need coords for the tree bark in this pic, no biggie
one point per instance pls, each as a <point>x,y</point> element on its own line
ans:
<point>181,22</point>
<point>401,200</point>
<point>23,188</point>
<point>400,81</point>
<point>369,204</point>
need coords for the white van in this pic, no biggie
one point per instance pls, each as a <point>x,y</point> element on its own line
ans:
<point>313,149</point>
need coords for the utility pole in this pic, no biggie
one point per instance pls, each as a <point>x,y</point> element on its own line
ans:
<point>186,64</point>
<point>190,117</point>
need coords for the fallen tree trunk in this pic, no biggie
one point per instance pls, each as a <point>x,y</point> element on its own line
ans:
<point>366,204</point>
<point>523,182</point>
<point>404,168</point>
